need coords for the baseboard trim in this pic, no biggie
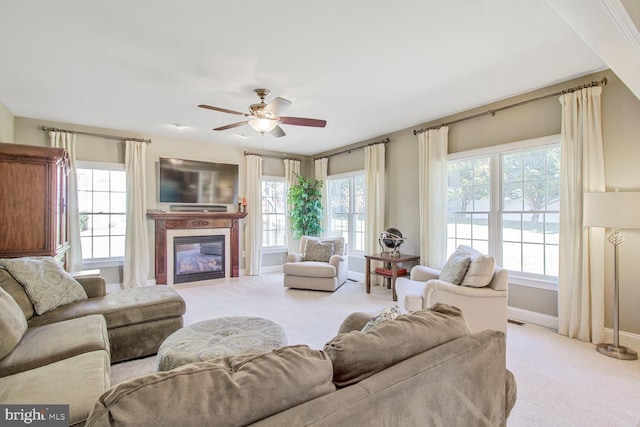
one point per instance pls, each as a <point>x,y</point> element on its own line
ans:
<point>528,316</point>
<point>627,339</point>
<point>271,269</point>
<point>355,276</point>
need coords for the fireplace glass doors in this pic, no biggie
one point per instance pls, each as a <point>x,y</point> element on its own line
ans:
<point>198,258</point>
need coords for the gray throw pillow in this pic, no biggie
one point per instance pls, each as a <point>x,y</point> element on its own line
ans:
<point>358,355</point>
<point>13,324</point>
<point>45,282</point>
<point>318,250</point>
<point>455,268</point>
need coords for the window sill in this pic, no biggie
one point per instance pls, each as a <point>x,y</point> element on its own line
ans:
<point>91,264</point>
<point>533,283</point>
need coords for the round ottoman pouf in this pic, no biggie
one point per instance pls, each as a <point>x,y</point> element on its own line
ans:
<point>220,337</point>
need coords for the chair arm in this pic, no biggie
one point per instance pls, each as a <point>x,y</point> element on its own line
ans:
<point>336,260</point>
<point>463,291</point>
<point>294,257</point>
<point>94,286</point>
<point>423,273</point>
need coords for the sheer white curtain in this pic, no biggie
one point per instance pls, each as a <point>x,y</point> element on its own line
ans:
<point>135,270</point>
<point>253,221</point>
<point>581,277</point>
<point>291,173</point>
<point>374,176</point>
<point>432,185</point>
<point>321,167</point>
<point>67,141</point>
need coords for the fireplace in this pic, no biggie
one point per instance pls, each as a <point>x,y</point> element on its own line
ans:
<point>198,258</point>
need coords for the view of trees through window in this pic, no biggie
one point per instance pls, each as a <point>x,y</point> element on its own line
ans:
<point>346,207</point>
<point>524,221</point>
<point>274,211</point>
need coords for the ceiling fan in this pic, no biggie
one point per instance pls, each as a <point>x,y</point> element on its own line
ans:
<point>266,118</point>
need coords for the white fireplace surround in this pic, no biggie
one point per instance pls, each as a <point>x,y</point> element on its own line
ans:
<point>196,233</point>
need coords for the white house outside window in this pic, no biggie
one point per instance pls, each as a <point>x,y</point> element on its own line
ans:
<point>505,200</point>
<point>347,209</point>
<point>102,209</point>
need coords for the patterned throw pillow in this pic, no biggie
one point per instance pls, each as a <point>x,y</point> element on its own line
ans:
<point>316,250</point>
<point>455,268</point>
<point>13,324</point>
<point>45,282</point>
<point>389,313</point>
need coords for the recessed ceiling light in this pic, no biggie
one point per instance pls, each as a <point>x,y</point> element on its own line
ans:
<point>179,125</point>
<point>242,135</point>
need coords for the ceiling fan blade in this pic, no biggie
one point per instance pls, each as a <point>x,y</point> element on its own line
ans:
<point>277,132</point>
<point>300,121</point>
<point>223,110</point>
<point>277,106</point>
<point>231,126</point>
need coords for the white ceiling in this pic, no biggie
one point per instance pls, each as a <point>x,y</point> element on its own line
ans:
<point>368,67</point>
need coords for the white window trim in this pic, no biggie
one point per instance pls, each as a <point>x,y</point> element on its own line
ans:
<point>101,262</point>
<point>276,249</point>
<point>350,252</point>
<point>517,278</point>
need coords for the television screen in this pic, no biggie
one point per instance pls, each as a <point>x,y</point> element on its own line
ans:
<point>191,181</point>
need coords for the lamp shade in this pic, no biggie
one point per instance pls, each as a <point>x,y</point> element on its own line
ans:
<point>612,209</point>
<point>263,125</point>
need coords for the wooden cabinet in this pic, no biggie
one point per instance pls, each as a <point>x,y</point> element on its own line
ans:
<point>33,196</point>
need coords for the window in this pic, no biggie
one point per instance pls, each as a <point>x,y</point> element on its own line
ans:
<point>506,201</point>
<point>102,206</point>
<point>274,205</point>
<point>346,206</point>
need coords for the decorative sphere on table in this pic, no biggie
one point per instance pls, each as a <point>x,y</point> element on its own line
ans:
<point>390,240</point>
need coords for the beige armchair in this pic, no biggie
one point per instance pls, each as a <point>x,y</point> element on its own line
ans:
<point>483,305</point>
<point>320,265</point>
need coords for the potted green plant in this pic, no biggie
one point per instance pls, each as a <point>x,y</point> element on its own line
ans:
<point>305,207</point>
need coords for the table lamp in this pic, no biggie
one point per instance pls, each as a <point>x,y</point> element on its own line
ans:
<point>613,210</point>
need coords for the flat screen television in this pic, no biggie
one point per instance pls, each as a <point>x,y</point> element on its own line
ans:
<point>196,182</point>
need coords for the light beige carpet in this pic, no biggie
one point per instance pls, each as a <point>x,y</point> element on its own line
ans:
<point>561,382</point>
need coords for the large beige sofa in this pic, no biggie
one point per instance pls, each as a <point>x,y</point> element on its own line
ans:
<point>421,369</point>
<point>64,355</point>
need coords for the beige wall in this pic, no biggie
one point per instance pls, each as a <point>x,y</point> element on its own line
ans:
<point>89,148</point>
<point>621,132</point>
<point>6,124</point>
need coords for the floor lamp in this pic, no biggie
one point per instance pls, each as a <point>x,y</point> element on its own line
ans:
<point>613,210</point>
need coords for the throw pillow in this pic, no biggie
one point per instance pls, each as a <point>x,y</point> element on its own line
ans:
<point>455,268</point>
<point>358,355</point>
<point>45,282</point>
<point>389,313</point>
<point>318,250</point>
<point>231,391</point>
<point>13,324</point>
<point>480,271</point>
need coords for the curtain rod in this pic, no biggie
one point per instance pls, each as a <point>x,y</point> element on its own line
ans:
<point>602,82</point>
<point>384,141</point>
<point>248,153</point>
<point>100,135</point>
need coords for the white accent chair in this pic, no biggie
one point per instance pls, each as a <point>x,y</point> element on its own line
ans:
<point>317,275</point>
<point>483,307</point>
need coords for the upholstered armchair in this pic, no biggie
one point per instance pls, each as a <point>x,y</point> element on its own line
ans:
<point>469,280</point>
<point>320,265</point>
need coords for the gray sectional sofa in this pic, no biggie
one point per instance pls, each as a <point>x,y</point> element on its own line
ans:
<point>64,355</point>
<point>421,369</point>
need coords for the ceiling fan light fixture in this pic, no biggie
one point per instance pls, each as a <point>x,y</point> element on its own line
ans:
<point>263,125</point>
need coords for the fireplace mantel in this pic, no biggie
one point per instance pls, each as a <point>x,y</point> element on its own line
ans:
<point>194,220</point>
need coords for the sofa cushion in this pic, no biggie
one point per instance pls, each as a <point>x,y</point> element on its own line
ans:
<point>43,345</point>
<point>357,355</point>
<point>389,313</point>
<point>45,282</point>
<point>318,250</point>
<point>13,324</point>
<point>77,381</point>
<point>15,289</point>
<point>232,391</point>
<point>455,268</point>
<point>123,308</point>
<point>309,269</point>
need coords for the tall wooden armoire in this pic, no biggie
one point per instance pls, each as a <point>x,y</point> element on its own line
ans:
<point>33,201</point>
